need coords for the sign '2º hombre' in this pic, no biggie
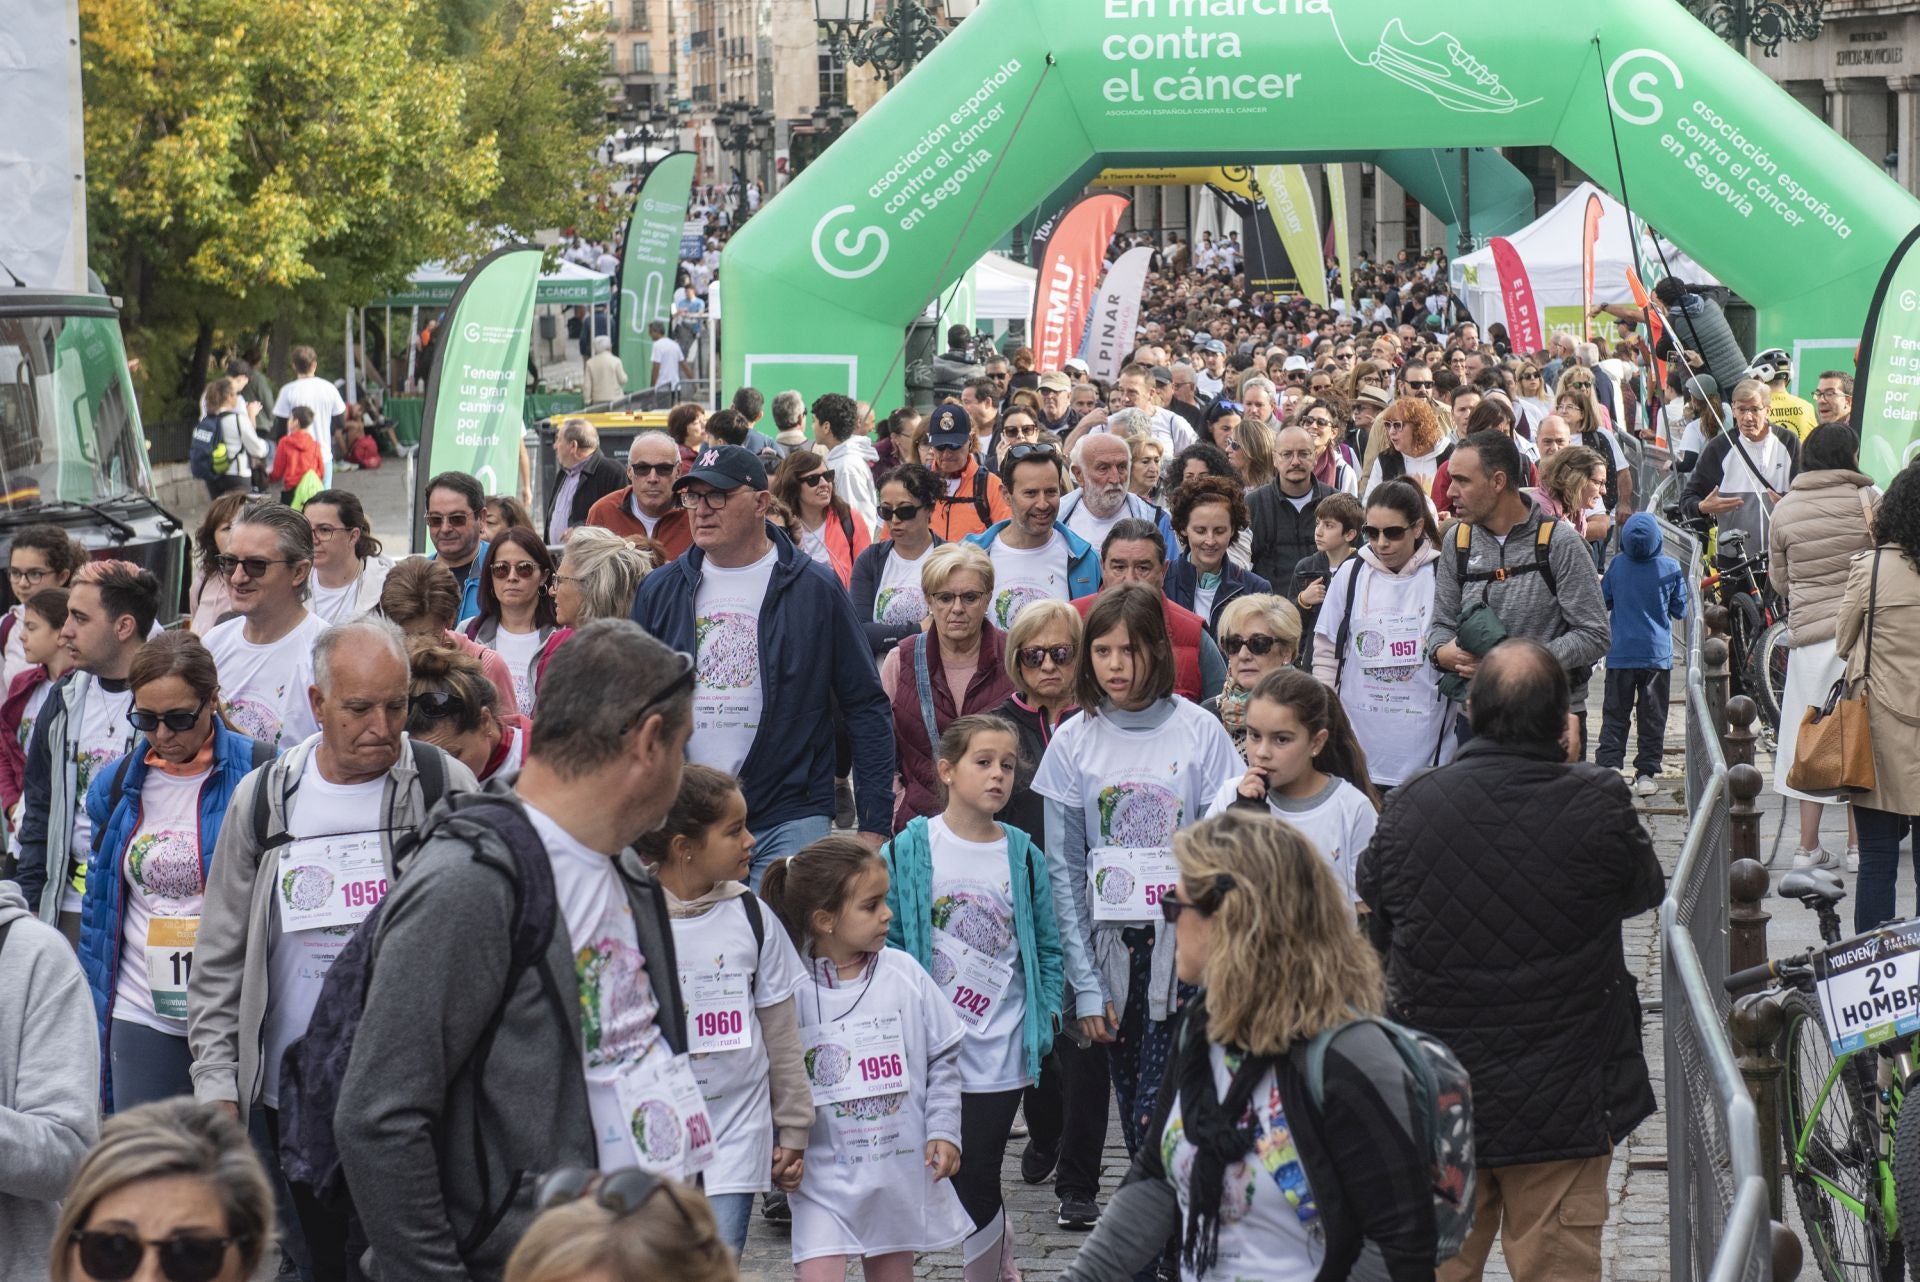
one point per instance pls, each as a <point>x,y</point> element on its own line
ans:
<point>1870,986</point>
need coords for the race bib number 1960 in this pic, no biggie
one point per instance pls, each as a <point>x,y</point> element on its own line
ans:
<point>1870,986</point>
<point>719,1011</point>
<point>1127,885</point>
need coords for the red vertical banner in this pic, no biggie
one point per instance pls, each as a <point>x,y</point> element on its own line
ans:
<point>1591,241</point>
<point>1069,269</point>
<point>1516,294</point>
<point>1655,331</point>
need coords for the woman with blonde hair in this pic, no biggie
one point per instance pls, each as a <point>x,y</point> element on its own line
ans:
<point>1258,633</point>
<point>1254,1177</point>
<point>1250,449</point>
<point>176,1179</point>
<point>955,667</point>
<point>1571,485</point>
<point>1417,444</point>
<point>627,1224</point>
<point>597,576</point>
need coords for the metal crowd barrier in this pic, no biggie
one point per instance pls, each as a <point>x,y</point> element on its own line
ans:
<point>1716,1187</point>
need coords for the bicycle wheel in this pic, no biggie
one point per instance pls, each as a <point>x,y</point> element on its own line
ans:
<point>1744,626</point>
<point>1765,677</point>
<point>1906,1180</point>
<point>1830,1153</point>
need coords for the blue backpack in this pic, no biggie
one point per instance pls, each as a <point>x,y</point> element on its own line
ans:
<point>207,457</point>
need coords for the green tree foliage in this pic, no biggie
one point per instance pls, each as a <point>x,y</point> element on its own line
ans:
<point>253,163</point>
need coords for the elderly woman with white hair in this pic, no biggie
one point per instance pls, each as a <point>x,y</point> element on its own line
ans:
<point>956,667</point>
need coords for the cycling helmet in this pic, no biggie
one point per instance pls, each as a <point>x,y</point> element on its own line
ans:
<point>1771,364</point>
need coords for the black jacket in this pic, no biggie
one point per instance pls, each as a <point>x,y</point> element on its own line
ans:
<point>1282,534</point>
<point>1025,808</point>
<point>600,476</point>
<point>1498,884</point>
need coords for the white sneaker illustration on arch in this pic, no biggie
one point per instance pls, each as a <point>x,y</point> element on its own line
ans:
<point>1442,67</point>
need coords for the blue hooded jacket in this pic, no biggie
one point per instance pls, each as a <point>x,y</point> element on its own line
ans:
<point>813,659</point>
<point>1645,589</point>
<point>1083,559</point>
<point>103,910</point>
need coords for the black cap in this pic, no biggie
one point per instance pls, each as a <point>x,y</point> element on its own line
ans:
<point>949,426</point>
<point>725,467</point>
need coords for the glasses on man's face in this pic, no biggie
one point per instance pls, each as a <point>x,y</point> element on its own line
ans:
<point>903,512</point>
<point>255,566</point>
<point>1417,386</point>
<point>108,1255</point>
<point>1295,377</point>
<point>947,600</point>
<point>652,469</point>
<point>451,520</point>
<point>1260,644</point>
<point>504,570</point>
<point>32,578</point>
<point>1294,456</point>
<point>178,720</point>
<point>1386,533</point>
<point>998,376</point>
<point>818,478</point>
<point>1036,656</point>
<point>712,500</point>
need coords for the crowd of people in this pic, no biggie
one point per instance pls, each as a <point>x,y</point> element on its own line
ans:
<point>800,810</point>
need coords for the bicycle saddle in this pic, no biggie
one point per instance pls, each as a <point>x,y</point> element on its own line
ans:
<point>1808,884</point>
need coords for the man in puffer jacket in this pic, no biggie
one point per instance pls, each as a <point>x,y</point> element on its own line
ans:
<point>1497,885</point>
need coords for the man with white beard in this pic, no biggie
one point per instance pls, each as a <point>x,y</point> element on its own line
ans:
<point>1102,463</point>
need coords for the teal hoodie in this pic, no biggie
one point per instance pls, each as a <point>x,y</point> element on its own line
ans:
<point>909,859</point>
<point>1083,559</point>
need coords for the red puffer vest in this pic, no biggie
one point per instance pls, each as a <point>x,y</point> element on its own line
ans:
<point>1184,629</point>
<point>988,689</point>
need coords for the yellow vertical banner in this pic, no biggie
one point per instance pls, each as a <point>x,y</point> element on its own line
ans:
<point>1290,205</point>
<point>1342,241</point>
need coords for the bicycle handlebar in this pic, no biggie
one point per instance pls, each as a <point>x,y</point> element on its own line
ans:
<point>1766,972</point>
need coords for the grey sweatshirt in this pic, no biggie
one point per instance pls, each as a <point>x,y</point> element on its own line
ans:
<point>49,1084</point>
<point>1569,618</point>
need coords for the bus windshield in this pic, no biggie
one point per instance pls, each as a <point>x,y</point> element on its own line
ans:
<point>68,427</point>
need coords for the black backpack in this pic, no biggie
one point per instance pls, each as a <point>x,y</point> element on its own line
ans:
<point>207,454</point>
<point>315,1066</point>
<point>978,498</point>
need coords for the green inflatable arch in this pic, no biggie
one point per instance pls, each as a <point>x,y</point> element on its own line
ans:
<point>817,289</point>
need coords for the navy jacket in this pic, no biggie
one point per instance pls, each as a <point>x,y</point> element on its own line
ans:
<point>1183,582</point>
<point>816,668</point>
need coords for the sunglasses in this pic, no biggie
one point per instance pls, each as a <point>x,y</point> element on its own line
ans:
<point>112,1256</point>
<point>452,520</point>
<point>1035,656</point>
<point>1171,907</point>
<point>1021,430</point>
<point>622,1192</point>
<point>1581,384</point>
<point>968,599</point>
<point>255,566</point>
<point>1391,533</point>
<point>435,705</point>
<point>905,512</point>
<point>818,478</point>
<point>1419,387</point>
<point>656,469</point>
<point>504,570</point>
<point>1260,644</point>
<point>179,720</point>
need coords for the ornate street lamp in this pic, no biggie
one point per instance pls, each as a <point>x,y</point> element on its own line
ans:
<point>1765,24</point>
<point>740,127</point>
<point>910,30</point>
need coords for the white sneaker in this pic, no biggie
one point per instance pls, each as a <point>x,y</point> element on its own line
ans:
<point>1646,786</point>
<point>1853,859</point>
<point>1816,858</point>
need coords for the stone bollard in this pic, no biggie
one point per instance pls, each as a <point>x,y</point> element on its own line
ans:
<point>1788,1254</point>
<point>1746,920</point>
<point>1744,783</point>
<point>1713,664</point>
<point>1754,1025</point>
<point>1740,741</point>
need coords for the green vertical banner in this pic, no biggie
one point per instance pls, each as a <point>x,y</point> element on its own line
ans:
<point>1290,205</point>
<point>478,387</point>
<point>1886,392</point>
<point>651,260</point>
<point>1342,235</point>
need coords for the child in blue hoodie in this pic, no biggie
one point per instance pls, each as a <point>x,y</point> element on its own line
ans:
<point>1645,589</point>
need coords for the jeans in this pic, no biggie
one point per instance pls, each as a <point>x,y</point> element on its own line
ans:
<point>731,1214</point>
<point>1875,895</point>
<point>148,1064</point>
<point>781,840</point>
<point>1631,691</point>
<point>1067,1110</point>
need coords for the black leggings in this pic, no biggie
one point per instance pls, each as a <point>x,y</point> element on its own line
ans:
<point>985,1123</point>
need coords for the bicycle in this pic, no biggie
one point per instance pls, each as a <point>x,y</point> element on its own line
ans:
<point>1852,1150</point>
<point>1757,645</point>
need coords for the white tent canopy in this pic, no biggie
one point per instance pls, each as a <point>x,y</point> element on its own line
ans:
<point>1003,289</point>
<point>1551,248</point>
<point>649,154</point>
